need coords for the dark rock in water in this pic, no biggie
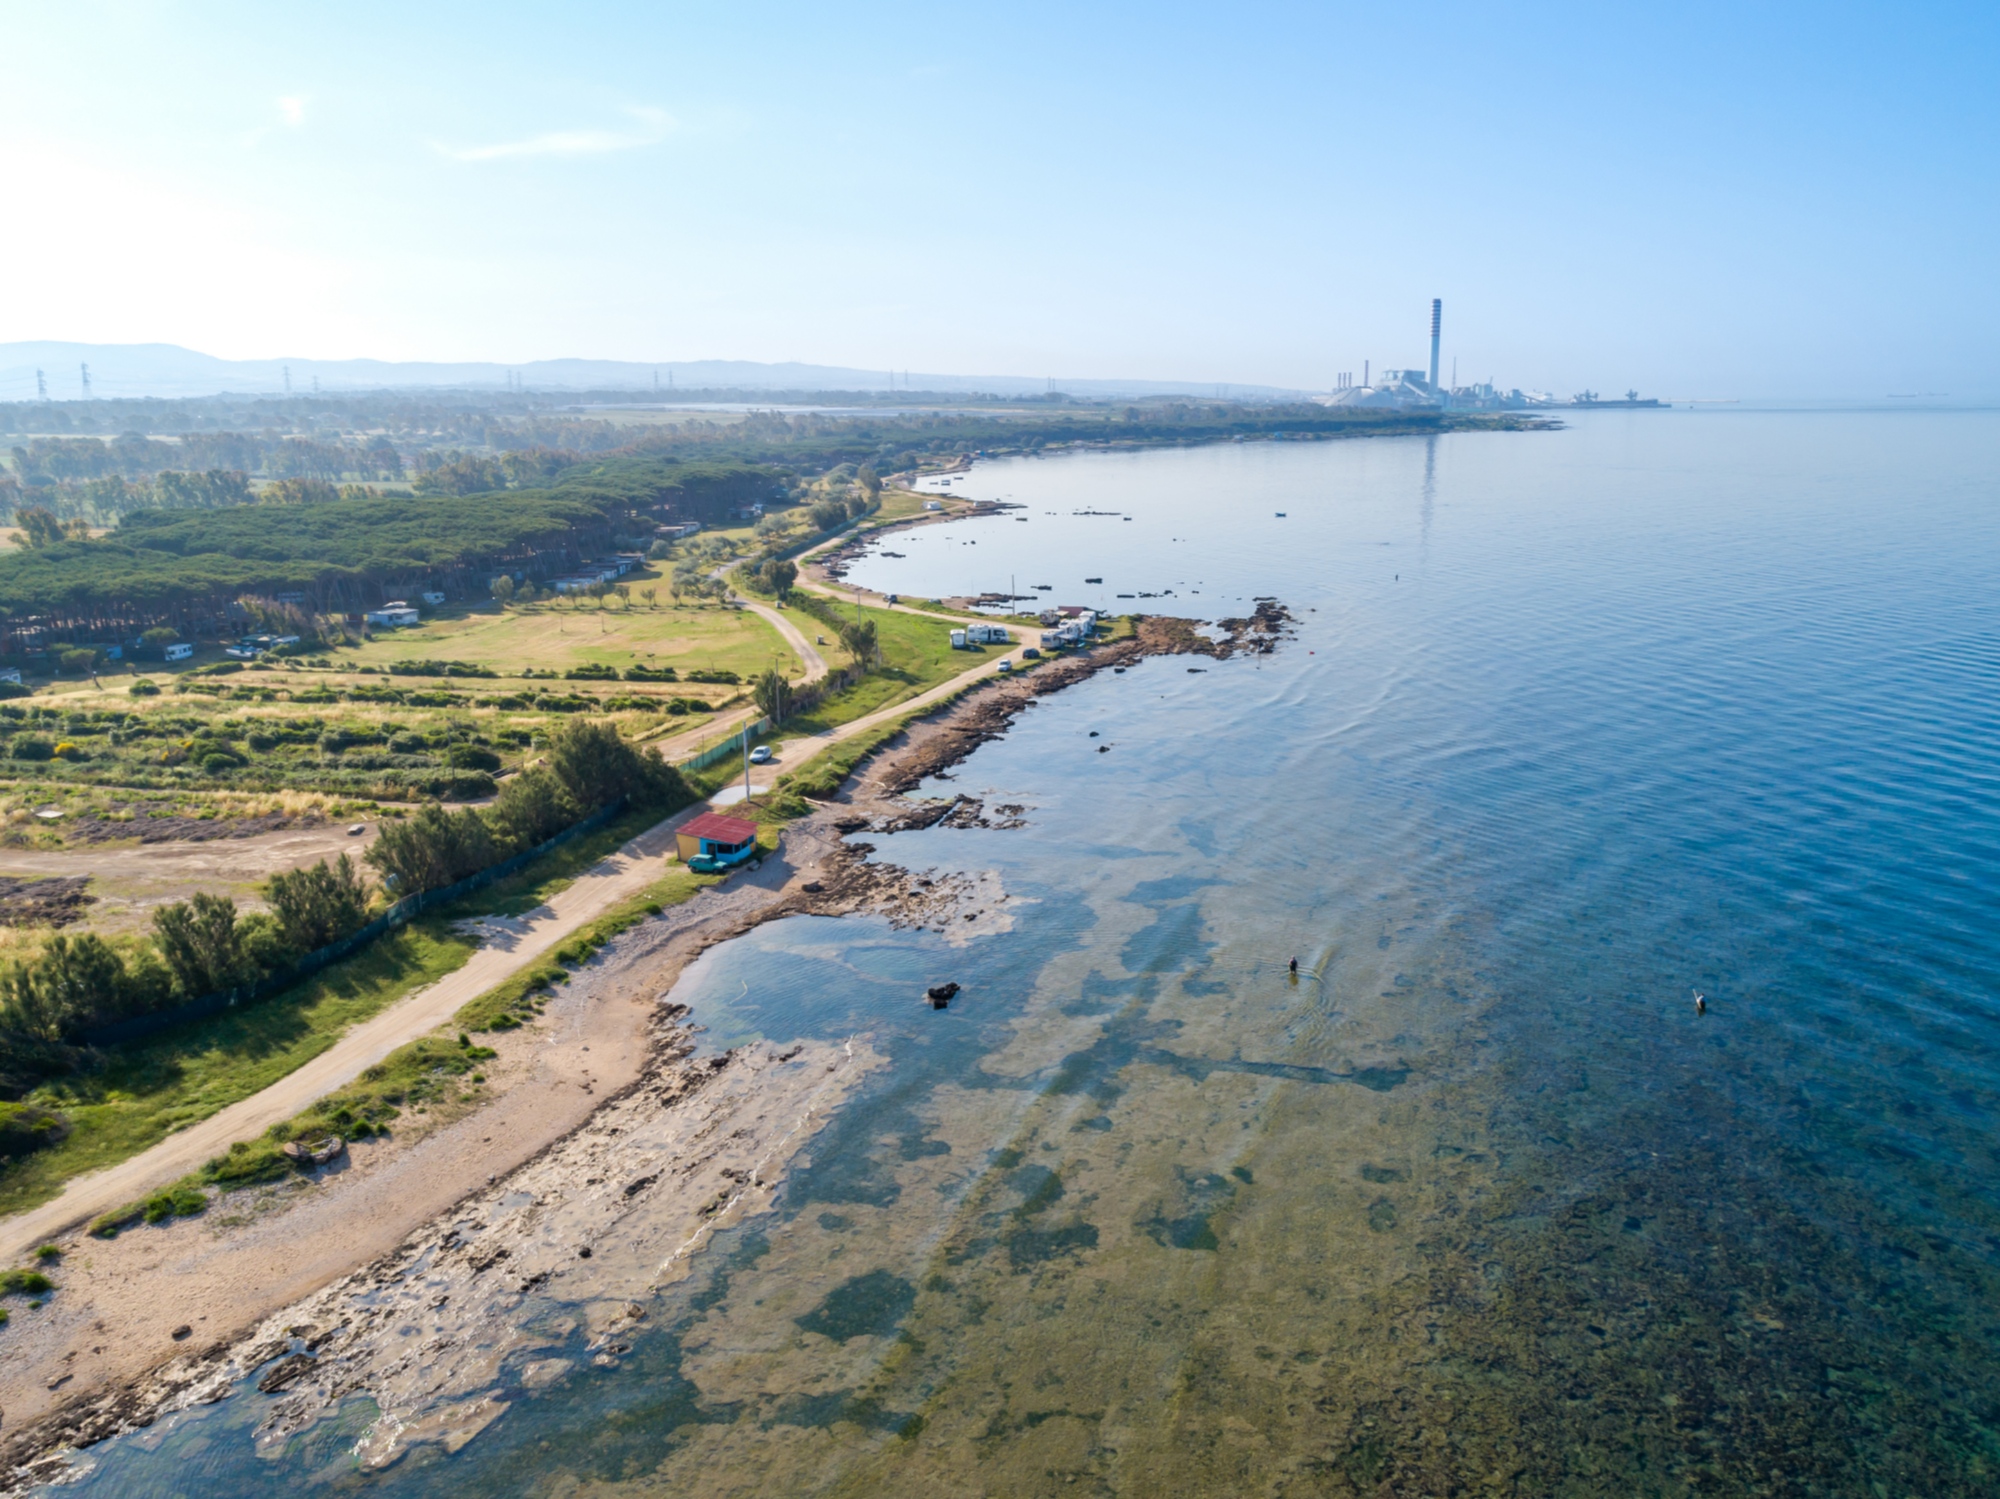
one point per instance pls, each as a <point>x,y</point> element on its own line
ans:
<point>285,1372</point>
<point>1104,749</point>
<point>940,995</point>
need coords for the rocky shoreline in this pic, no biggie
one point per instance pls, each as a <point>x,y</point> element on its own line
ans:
<point>566,1244</point>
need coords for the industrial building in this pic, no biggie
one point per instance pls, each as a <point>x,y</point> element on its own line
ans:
<point>1408,389</point>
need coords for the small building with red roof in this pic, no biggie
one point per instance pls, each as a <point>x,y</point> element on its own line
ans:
<point>716,840</point>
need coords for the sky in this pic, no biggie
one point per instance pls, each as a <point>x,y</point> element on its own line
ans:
<point>1698,200</point>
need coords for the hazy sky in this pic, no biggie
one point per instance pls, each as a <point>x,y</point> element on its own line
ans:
<point>1700,200</point>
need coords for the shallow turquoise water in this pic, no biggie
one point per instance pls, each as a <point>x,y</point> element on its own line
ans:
<point>1574,724</point>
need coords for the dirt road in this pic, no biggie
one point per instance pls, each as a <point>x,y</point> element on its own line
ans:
<point>510,945</point>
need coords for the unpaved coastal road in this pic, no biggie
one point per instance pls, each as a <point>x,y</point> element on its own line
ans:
<point>510,946</point>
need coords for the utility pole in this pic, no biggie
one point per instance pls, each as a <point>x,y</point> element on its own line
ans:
<point>288,379</point>
<point>41,386</point>
<point>86,382</point>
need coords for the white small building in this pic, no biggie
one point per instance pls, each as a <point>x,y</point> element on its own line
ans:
<point>958,640</point>
<point>393,615</point>
<point>432,598</point>
<point>180,650</point>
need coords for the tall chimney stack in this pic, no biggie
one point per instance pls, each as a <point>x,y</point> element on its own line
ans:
<point>1437,320</point>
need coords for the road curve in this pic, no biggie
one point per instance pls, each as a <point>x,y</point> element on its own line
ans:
<point>512,945</point>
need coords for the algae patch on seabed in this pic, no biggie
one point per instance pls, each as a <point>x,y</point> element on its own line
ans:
<point>1148,1255</point>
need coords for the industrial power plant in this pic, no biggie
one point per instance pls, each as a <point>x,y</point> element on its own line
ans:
<point>1407,389</point>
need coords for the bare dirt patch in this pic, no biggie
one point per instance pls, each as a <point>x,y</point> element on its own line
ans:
<point>127,881</point>
<point>55,901</point>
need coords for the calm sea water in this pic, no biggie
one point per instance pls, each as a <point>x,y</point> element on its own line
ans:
<point>1575,725</point>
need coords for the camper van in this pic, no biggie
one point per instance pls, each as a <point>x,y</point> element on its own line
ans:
<point>180,650</point>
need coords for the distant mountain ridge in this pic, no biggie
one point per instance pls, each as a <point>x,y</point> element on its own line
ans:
<point>131,371</point>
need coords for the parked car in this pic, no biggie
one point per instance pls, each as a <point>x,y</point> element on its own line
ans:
<point>1006,665</point>
<point>1031,654</point>
<point>761,755</point>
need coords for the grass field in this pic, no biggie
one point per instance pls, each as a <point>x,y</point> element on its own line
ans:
<point>148,1089</point>
<point>916,655</point>
<point>559,636</point>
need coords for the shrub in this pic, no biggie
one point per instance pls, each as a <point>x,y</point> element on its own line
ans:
<point>68,751</point>
<point>471,757</point>
<point>433,849</point>
<point>74,984</point>
<point>24,1283</point>
<point>318,906</point>
<point>533,807</point>
<point>177,1201</point>
<point>199,940</point>
<point>593,671</point>
<point>26,1128</point>
<point>32,747</point>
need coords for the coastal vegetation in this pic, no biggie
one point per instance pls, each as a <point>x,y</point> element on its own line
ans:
<point>77,1102</point>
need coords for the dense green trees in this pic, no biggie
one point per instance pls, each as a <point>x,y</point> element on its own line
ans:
<point>318,906</point>
<point>205,945</point>
<point>588,766</point>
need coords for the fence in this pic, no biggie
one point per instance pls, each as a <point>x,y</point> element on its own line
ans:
<point>735,744</point>
<point>399,914</point>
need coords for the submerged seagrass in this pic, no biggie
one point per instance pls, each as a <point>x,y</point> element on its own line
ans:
<point>1575,725</point>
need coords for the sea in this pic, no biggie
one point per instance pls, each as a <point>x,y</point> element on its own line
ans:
<point>1574,726</point>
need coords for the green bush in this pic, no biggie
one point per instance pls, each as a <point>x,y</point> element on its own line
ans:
<point>178,1201</point>
<point>32,747</point>
<point>318,906</point>
<point>471,757</point>
<point>26,1128</point>
<point>24,1283</point>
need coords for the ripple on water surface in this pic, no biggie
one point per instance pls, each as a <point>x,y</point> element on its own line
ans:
<point>1575,725</point>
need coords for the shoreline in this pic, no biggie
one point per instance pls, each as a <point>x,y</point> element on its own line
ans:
<point>398,1201</point>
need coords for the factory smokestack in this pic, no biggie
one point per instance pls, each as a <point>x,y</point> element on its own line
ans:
<point>1437,320</point>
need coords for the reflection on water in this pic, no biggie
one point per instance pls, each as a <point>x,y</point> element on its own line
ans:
<point>1576,724</point>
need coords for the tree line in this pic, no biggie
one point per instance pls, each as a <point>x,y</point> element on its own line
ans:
<point>205,945</point>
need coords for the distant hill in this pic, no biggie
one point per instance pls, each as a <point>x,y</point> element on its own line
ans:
<point>127,371</point>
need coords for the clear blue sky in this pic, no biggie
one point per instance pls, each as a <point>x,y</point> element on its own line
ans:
<point>1700,200</point>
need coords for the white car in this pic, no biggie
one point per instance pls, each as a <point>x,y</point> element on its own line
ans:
<point>761,755</point>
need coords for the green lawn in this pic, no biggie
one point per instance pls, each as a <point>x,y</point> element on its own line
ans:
<point>916,656</point>
<point>149,1089</point>
<point>558,636</point>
